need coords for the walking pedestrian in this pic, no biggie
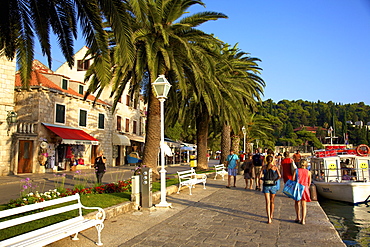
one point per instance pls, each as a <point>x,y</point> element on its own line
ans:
<point>232,162</point>
<point>270,152</point>
<point>99,166</point>
<point>269,175</point>
<point>304,176</point>
<point>278,165</point>
<point>297,157</point>
<point>257,164</point>
<point>247,166</point>
<point>287,167</point>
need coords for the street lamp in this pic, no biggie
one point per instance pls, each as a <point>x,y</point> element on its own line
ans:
<point>257,142</point>
<point>244,133</point>
<point>161,87</point>
<point>11,119</point>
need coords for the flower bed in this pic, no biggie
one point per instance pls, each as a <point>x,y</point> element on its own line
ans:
<point>35,197</point>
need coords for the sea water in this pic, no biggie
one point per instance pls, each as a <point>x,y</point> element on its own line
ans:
<point>351,221</point>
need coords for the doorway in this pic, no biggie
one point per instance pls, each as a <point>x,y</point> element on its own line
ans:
<point>25,157</point>
<point>118,158</point>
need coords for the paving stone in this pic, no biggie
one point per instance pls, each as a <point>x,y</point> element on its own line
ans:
<point>217,217</point>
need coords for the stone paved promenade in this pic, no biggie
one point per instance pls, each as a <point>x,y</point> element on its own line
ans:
<point>216,216</point>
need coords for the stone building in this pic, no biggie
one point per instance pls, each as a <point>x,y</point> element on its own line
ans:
<point>129,117</point>
<point>7,75</point>
<point>55,124</point>
<point>53,109</point>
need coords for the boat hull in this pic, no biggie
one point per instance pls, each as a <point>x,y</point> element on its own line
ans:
<point>353,192</point>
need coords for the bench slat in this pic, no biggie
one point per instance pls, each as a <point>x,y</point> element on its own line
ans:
<point>40,231</point>
<point>40,215</point>
<point>47,235</point>
<point>31,207</point>
<point>53,232</point>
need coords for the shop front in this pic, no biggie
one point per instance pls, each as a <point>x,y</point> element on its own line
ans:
<point>120,142</point>
<point>68,148</point>
<point>173,153</point>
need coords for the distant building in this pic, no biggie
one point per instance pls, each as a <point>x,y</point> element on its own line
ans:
<point>308,128</point>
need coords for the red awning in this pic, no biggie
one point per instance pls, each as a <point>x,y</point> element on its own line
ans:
<point>72,135</point>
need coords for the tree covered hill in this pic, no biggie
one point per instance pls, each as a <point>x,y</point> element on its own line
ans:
<point>286,116</point>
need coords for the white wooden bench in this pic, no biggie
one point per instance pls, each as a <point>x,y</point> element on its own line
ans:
<point>54,232</point>
<point>190,178</point>
<point>220,170</point>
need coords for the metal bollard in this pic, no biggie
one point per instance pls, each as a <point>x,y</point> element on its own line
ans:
<point>146,187</point>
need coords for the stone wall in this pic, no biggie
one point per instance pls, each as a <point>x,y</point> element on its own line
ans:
<point>7,78</point>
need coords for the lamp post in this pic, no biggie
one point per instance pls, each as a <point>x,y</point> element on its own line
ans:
<point>257,140</point>
<point>244,133</point>
<point>161,87</point>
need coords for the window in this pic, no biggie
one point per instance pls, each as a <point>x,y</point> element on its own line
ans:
<point>128,100</point>
<point>134,127</point>
<point>127,125</point>
<point>83,118</point>
<point>83,65</point>
<point>65,84</point>
<point>119,119</point>
<point>80,89</point>
<point>60,113</point>
<point>101,121</point>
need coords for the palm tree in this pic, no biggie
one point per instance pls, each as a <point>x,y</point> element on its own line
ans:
<point>246,86</point>
<point>162,44</point>
<point>226,93</point>
<point>23,20</point>
<point>257,127</point>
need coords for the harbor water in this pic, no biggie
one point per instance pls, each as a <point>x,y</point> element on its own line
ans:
<point>351,221</point>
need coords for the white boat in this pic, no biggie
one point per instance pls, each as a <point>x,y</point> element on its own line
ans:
<point>342,177</point>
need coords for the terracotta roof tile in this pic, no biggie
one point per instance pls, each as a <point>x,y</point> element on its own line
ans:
<point>37,79</point>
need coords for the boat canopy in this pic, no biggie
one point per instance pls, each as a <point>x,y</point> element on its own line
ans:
<point>340,167</point>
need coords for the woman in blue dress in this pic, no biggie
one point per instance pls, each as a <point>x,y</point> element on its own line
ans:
<point>270,174</point>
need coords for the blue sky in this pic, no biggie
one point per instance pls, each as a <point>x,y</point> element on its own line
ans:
<point>310,49</point>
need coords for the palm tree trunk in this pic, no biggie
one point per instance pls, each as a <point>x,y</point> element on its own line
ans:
<point>225,142</point>
<point>153,135</point>
<point>235,143</point>
<point>202,122</point>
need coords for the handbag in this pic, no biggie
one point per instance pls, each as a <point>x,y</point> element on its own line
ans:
<point>293,189</point>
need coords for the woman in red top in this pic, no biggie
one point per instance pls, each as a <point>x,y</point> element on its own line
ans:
<point>304,178</point>
<point>286,167</point>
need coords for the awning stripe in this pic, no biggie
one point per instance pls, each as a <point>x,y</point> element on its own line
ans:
<point>71,135</point>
